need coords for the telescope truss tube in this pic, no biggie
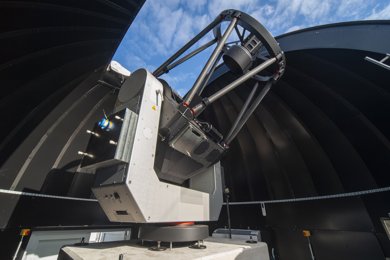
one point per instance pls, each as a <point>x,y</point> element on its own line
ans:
<point>237,19</point>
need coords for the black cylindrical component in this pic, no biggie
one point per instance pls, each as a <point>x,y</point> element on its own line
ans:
<point>250,111</point>
<point>238,59</point>
<point>243,110</point>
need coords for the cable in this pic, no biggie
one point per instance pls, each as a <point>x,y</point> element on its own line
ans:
<point>30,194</point>
<point>333,196</point>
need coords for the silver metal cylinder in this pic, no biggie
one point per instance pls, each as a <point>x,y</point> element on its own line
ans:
<point>210,62</point>
<point>200,107</point>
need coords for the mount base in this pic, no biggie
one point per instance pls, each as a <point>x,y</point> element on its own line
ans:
<point>176,233</point>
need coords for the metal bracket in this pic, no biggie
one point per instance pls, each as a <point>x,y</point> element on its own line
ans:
<point>381,62</point>
<point>263,211</point>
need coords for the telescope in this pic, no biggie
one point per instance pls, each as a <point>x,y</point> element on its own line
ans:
<point>155,160</point>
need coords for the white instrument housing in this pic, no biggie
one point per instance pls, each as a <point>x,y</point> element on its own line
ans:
<point>128,187</point>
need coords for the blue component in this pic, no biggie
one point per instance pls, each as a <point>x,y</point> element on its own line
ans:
<point>105,124</point>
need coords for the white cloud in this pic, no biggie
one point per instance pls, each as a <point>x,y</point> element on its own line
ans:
<point>284,14</point>
<point>217,6</point>
<point>164,26</point>
<point>184,30</point>
<point>268,9</point>
<point>134,61</point>
<point>195,5</point>
<point>381,15</point>
<point>201,22</point>
<point>171,4</point>
<point>315,9</point>
<point>164,23</point>
<point>181,82</point>
<point>294,28</point>
<point>351,8</point>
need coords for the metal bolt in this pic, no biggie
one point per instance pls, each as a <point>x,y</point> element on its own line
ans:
<point>85,154</point>
<point>119,118</point>
<point>93,133</point>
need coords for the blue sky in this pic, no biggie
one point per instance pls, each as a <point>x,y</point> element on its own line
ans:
<point>163,26</point>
